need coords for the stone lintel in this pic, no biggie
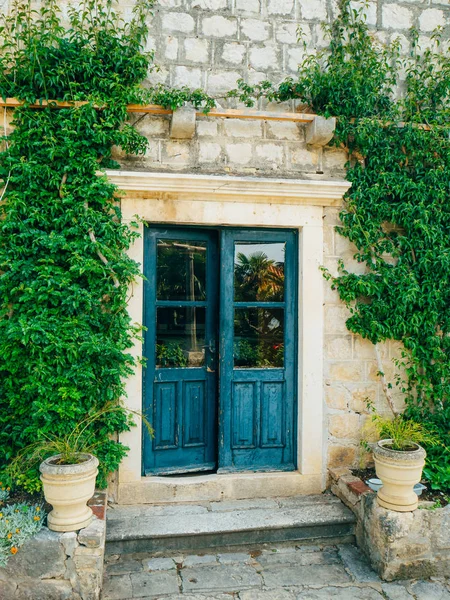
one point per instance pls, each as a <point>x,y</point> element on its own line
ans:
<point>315,192</point>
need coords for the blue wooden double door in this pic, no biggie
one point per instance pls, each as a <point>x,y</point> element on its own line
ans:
<point>220,346</point>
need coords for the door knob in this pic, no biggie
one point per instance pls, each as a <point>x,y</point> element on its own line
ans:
<point>211,347</point>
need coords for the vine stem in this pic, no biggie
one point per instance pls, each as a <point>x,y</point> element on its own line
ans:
<point>5,187</point>
<point>101,256</point>
<point>384,382</point>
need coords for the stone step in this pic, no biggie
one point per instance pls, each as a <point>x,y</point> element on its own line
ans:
<point>166,528</point>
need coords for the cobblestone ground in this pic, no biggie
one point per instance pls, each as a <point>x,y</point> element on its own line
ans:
<point>273,572</point>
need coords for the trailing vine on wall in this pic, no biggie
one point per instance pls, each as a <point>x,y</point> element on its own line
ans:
<point>65,333</point>
<point>397,212</point>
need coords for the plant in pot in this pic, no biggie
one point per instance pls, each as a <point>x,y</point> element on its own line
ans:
<point>69,469</point>
<point>399,459</point>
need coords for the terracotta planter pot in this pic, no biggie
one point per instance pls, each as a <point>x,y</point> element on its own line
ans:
<point>67,488</point>
<point>399,470</point>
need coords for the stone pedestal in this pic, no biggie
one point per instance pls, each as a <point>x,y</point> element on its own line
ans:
<point>59,566</point>
<point>399,545</point>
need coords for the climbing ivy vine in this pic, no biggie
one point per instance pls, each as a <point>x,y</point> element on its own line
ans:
<point>393,118</point>
<point>65,334</point>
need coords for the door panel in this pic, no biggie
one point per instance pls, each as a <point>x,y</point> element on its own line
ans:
<point>243,415</point>
<point>257,350</point>
<point>165,416</point>
<point>180,395</point>
<point>272,415</point>
<point>247,391</point>
<point>195,411</point>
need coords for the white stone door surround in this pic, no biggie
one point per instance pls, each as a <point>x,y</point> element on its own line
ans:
<point>211,200</point>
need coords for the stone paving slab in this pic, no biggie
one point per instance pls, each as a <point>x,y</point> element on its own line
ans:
<point>357,563</point>
<point>300,501</point>
<point>228,505</point>
<point>156,583</point>
<point>281,575</point>
<point>267,595</point>
<point>278,572</point>
<point>116,512</point>
<point>325,557</point>
<point>117,587</point>
<point>122,567</point>
<point>223,578</point>
<point>396,591</point>
<point>430,590</point>
<point>337,593</point>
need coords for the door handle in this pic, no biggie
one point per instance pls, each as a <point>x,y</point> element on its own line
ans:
<point>211,347</point>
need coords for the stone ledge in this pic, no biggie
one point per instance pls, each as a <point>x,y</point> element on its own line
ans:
<point>59,566</point>
<point>316,192</point>
<point>98,504</point>
<point>399,545</point>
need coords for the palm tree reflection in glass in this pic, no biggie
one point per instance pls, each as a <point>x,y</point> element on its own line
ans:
<point>259,330</point>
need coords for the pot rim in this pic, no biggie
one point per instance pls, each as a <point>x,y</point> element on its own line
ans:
<point>384,443</point>
<point>49,467</point>
<point>381,449</point>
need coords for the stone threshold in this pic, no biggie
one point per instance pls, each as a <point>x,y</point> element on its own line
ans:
<point>218,487</point>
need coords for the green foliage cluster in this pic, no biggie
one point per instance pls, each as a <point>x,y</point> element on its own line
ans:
<point>71,448</point>
<point>171,355</point>
<point>65,333</point>
<point>64,272</point>
<point>397,212</point>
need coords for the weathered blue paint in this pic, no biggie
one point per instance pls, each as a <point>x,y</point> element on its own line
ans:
<point>218,416</point>
<point>180,402</point>
<point>257,405</point>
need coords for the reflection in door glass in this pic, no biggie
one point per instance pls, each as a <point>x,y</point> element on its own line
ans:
<point>180,337</point>
<point>259,272</point>
<point>258,337</point>
<point>181,270</point>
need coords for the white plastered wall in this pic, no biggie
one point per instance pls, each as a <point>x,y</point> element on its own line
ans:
<point>246,202</point>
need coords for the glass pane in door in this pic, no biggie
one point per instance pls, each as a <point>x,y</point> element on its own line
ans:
<point>259,272</point>
<point>181,270</point>
<point>258,337</point>
<point>180,337</point>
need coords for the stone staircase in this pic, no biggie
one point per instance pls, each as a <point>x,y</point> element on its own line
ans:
<point>170,528</point>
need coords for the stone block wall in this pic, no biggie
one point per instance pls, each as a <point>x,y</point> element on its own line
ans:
<point>409,545</point>
<point>213,43</point>
<point>59,566</point>
<point>235,147</point>
<point>351,377</point>
<point>210,44</point>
